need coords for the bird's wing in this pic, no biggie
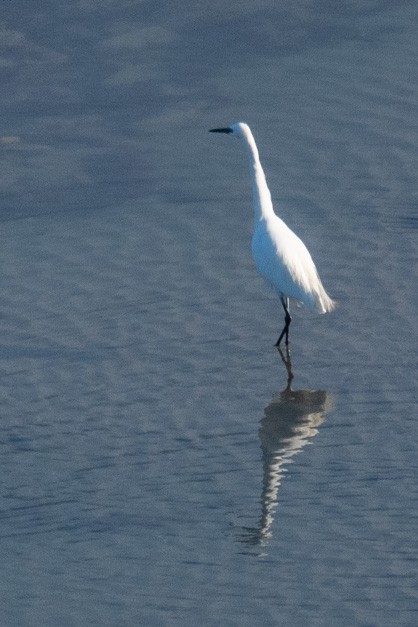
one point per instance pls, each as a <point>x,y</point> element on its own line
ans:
<point>302,279</point>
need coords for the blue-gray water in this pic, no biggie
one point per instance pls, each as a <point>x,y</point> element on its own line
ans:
<point>153,469</point>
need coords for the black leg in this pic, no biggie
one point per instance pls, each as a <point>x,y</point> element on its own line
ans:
<point>287,321</point>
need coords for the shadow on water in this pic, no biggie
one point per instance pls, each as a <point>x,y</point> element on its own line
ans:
<point>290,421</point>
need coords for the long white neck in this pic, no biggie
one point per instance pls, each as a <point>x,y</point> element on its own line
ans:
<point>263,207</point>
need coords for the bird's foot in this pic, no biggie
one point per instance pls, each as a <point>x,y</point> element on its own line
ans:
<point>279,346</point>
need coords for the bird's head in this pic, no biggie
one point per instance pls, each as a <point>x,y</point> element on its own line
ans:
<point>238,129</point>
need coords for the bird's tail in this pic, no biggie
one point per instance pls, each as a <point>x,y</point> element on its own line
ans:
<point>324,303</point>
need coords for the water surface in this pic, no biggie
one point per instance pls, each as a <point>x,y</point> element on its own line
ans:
<point>156,467</point>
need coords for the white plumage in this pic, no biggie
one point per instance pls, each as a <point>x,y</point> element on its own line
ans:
<point>280,256</point>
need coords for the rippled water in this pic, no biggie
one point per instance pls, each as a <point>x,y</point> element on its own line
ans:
<point>157,468</point>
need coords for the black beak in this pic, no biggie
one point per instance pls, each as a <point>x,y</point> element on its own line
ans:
<point>220,130</point>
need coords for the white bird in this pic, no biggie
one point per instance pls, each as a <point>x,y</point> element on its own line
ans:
<point>280,256</point>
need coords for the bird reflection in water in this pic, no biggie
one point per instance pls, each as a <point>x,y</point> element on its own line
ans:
<point>290,422</point>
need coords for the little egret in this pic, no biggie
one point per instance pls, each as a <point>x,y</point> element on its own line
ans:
<point>280,256</point>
